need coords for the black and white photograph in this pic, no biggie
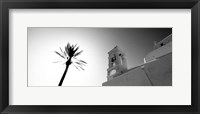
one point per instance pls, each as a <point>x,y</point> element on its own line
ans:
<point>99,56</point>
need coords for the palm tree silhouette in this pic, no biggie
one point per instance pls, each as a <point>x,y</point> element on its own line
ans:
<point>70,52</point>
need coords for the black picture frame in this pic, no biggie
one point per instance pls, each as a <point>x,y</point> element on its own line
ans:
<point>5,5</point>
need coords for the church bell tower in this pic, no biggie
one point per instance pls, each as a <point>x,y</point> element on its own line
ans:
<point>117,63</point>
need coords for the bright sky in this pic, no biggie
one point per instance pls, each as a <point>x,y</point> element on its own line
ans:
<point>95,43</point>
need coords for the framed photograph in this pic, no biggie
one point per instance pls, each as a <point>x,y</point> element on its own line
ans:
<point>99,56</point>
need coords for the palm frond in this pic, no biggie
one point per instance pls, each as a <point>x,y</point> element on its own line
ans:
<point>79,63</point>
<point>67,48</point>
<point>76,48</point>
<point>59,54</point>
<point>63,52</point>
<point>76,67</point>
<point>78,53</point>
<point>71,51</point>
<point>82,61</point>
<point>81,67</point>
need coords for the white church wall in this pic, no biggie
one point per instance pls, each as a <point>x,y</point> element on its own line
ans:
<point>161,51</point>
<point>135,77</point>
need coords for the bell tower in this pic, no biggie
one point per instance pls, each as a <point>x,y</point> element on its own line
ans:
<point>117,63</point>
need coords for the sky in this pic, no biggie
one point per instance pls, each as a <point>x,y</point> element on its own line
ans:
<point>95,43</point>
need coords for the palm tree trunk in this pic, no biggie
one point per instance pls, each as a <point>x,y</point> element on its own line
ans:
<point>65,72</point>
<point>63,76</point>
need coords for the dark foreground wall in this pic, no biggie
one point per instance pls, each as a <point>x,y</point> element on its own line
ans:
<point>156,73</point>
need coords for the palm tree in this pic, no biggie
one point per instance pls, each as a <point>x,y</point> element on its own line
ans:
<point>69,55</point>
